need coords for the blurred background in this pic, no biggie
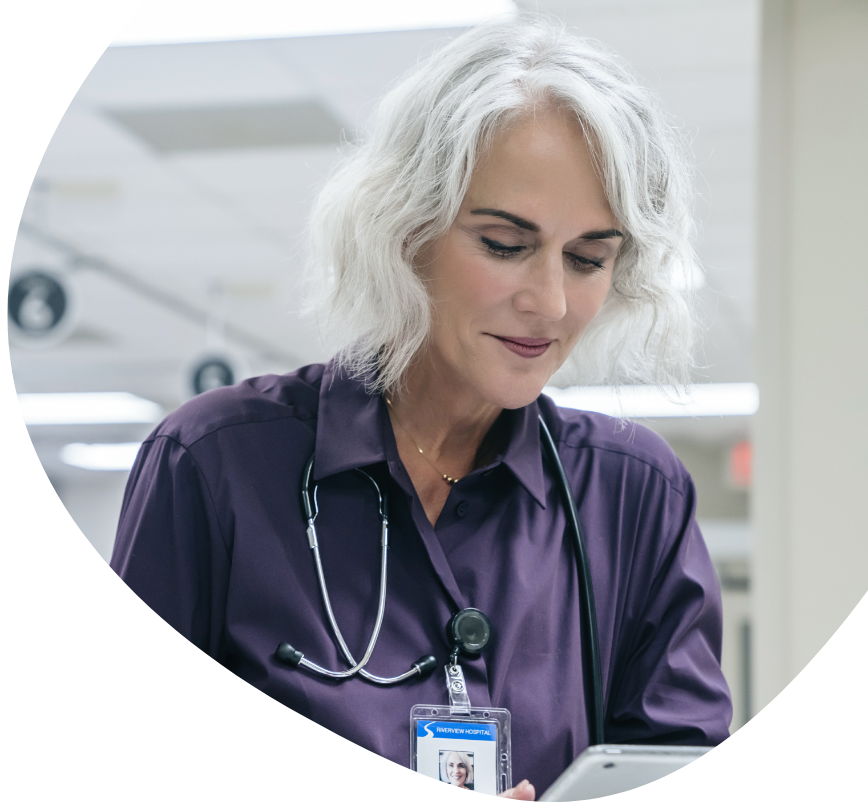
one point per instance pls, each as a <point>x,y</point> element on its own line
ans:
<point>161,249</point>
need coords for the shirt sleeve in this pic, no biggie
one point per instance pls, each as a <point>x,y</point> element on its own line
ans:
<point>670,688</point>
<point>169,547</point>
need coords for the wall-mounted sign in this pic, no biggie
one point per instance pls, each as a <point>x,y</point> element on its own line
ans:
<point>40,307</point>
<point>214,369</point>
<point>212,372</point>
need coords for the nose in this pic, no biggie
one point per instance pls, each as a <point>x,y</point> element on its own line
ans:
<point>541,291</point>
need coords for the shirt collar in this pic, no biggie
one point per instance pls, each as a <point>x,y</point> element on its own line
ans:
<point>349,432</point>
<point>351,421</point>
<point>523,454</point>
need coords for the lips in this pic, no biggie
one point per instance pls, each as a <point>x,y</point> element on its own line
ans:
<point>525,346</point>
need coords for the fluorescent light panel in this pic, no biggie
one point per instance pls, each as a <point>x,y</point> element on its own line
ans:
<point>647,401</point>
<point>176,21</point>
<point>88,408</point>
<point>637,401</point>
<point>101,457</point>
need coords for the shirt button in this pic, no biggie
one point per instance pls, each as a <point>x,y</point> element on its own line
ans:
<point>461,508</point>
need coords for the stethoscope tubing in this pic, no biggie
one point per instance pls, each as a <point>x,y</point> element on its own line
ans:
<point>597,724</point>
<point>381,609</point>
<point>309,498</point>
<point>311,508</point>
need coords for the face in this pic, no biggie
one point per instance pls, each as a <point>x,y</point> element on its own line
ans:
<point>525,266</point>
<point>456,772</point>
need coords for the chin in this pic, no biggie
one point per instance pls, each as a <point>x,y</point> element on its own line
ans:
<point>511,393</point>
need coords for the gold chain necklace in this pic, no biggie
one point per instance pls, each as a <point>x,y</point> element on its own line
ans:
<point>450,480</point>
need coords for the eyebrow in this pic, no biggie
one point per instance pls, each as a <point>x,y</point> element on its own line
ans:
<point>526,224</point>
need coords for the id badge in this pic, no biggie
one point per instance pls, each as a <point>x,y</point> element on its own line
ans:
<point>466,747</point>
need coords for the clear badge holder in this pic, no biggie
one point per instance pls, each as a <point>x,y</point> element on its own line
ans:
<point>460,745</point>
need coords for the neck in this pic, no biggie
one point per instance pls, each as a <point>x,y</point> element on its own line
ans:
<point>443,416</point>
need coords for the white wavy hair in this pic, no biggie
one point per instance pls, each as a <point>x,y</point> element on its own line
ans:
<point>465,760</point>
<point>402,185</point>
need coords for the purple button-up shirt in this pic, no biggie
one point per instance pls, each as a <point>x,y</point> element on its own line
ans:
<point>212,537</point>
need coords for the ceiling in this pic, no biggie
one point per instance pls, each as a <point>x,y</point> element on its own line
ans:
<point>175,191</point>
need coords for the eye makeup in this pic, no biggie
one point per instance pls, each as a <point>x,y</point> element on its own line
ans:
<point>580,263</point>
<point>500,249</point>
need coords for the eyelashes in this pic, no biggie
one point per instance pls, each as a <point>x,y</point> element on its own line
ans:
<point>502,250</point>
<point>581,263</point>
<point>584,264</point>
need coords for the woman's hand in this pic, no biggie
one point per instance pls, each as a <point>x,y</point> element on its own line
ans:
<point>521,792</point>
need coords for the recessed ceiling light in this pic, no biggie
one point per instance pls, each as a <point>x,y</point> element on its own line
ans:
<point>177,21</point>
<point>114,407</point>
<point>647,401</point>
<point>101,457</point>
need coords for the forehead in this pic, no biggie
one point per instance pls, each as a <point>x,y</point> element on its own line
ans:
<point>541,160</point>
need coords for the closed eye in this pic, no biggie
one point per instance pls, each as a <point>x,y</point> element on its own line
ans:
<point>580,263</point>
<point>584,264</point>
<point>500,249</point>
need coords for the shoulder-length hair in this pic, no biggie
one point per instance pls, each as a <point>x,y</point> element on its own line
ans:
<point>465,760</point>
<point>402,185</point>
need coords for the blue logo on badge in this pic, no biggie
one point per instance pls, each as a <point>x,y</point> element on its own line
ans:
<point>479,731</point>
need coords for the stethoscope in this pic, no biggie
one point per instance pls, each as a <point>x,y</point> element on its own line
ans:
<point>469,630</point>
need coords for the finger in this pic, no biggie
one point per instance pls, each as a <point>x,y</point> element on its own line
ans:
<point>521,792</point>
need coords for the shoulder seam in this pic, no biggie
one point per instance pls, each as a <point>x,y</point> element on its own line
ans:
<point>590,445</point>
<point>204,483</point>
<point>225,426</point>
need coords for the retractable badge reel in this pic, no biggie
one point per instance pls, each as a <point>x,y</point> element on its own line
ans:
<point>456,743</point>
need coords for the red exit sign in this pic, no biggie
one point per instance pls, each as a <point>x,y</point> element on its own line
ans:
<point>740,465</point>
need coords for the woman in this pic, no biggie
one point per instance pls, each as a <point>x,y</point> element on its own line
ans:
<point>457,770</point>
<point>521,207</point>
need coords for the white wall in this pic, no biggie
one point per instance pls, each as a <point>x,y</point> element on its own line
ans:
<point>811,435</point>
<point>95,504</point>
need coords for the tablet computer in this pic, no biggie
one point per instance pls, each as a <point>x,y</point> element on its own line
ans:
<point>607,769</point>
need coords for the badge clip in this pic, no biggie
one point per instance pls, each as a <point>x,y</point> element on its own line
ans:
<point>456,743</point>
<point>459,700</point>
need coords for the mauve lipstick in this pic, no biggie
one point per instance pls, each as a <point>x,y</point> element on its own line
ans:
<point>525,346</point>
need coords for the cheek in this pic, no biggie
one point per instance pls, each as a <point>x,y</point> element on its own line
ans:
<point>466,289</point>
<point>485,289</point>
<point>585,301</point>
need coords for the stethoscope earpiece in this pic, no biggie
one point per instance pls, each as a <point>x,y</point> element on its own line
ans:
<point>288,654</point>
<point>469,630</point>
<point>425,665</point>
